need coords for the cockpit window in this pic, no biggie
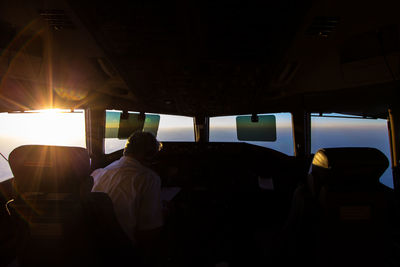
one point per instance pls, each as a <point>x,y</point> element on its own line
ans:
<point>224,129</point>
<point>337,130</point>
<point>42,127</point>
<point>170,128</point>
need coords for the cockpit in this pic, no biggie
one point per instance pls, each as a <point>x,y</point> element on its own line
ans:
<point>279,123</point>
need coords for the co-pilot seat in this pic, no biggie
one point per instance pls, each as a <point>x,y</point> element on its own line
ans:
<point>339,216</point>
<point>351,206</point>
<point>55,218</point>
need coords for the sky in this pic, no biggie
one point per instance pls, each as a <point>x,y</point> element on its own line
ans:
<point>44,127</point>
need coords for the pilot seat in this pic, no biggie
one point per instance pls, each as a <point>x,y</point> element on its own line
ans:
<point>59,221</point>
<point>339,215</point>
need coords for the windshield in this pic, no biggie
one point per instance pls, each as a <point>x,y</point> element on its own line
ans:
<point>42,127</point>
<point>224,129</point>
<point>171,128</point>
<point>338,130</point>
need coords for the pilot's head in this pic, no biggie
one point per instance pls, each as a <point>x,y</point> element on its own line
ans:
<point>142,146</point>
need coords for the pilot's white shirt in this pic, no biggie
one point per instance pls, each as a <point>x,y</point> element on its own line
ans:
<point>135,191</point>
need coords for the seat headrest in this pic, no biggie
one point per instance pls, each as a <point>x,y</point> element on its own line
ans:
<point>51,169</point>
<point>349,166</point>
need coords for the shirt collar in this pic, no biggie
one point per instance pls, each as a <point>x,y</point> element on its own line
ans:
<point>129,159</point>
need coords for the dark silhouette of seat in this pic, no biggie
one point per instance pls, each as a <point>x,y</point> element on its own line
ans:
<point>340,214</point>
<point>59,224</point>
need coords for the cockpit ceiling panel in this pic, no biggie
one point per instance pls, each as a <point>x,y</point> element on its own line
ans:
<point>187,57</point>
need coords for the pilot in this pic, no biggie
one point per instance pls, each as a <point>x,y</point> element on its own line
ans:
<point>135,191</point>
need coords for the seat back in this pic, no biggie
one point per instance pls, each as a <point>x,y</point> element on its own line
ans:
<point>351,206</point>
<point>46,204</point>
<point>48,169</point>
